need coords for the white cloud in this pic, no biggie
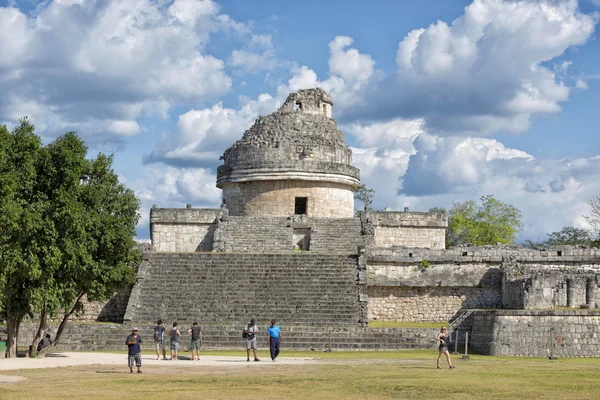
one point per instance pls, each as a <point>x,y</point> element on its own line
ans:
<point>174,187</point>
<point>349,64</point>
<point>108,62</point>
<point>484,72</point>
<point>550,193</point>
<point>202,135</point>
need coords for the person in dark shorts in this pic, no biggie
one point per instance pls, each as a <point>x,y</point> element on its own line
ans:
<point>134,345</point>
<point>274,339</point>
<point>175,334</point>
<point>250,331</point>
<point>196,333</point>
<point>160,341</point>
<point>444,340</point>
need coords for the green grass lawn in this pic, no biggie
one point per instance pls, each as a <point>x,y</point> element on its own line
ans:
<point>341,375</point>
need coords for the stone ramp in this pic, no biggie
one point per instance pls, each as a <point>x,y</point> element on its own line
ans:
<point>105,337</point>
<point>226,288</point>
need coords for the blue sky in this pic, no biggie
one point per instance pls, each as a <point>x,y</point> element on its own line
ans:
<point>442,101</point>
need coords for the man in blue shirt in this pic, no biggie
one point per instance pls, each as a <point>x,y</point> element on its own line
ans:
<point>274,339</point>
<point>134,344</point>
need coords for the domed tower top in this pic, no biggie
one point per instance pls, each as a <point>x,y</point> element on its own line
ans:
<point>296,152</point>
<point>309,101</point>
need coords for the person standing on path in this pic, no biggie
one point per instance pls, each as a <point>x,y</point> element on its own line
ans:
<point>160,341</point>
<point>196,334</point>
<point>250,330</point>
<point>274,339</point>
<point>134,344</point>
<point>444,339</point>
<point>175,334</point>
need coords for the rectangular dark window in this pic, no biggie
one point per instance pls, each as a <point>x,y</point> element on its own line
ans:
<point>300,205</point>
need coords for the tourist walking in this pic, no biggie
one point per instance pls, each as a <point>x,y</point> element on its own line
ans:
<point>134,345</point>
<point>274,339</point>
<point>160,341</point>
<point>175,334</point>
<point>444,340</point>
<point>250,331</point>
<point>196,333</point>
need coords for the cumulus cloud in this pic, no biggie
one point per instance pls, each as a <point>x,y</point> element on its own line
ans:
<point>485,72</point>
<point>259,55</point>
<point>202,135</point>
<point>174,187</point>
<point>550,193</point>
<point>104,64</point>
<point>349,64</point>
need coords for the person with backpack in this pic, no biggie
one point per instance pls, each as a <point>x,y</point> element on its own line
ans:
<point>175,334</point>
<point>250,331</point>
<point>160,340</point>
<point>196,333</point>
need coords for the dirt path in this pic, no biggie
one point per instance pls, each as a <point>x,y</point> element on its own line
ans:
<point>70,359</point>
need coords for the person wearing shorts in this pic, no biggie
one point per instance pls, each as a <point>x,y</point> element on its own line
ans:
<point>251,330</point>
<point>196,333</point>
<point>160,341</point>
<point>175,334</point>
<point>134,355</point>
<point>444,340</point>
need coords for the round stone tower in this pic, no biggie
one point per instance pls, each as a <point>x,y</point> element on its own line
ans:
<point>294,161</point>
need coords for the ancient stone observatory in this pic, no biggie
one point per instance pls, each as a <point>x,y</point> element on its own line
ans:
<point>294,161</point>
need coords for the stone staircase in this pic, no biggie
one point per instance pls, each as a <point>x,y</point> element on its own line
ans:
<point>256,234</point>
<point>226,288</point>
<point>335,235</point>
<point>104,337</point>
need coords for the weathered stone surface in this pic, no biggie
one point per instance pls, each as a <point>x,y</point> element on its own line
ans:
<point>297,151</point>
<point>228,288</point>
<point>561,333</point>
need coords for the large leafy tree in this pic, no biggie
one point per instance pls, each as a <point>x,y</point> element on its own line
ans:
<point>21,225</point>
<point>70,229</point>
<point>490,222</point>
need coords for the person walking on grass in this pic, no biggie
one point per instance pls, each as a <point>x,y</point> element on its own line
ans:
<point>250,330</point>
<point>175,334</point>
<point>160,341</point>
<point>134,345</point>
<point>444,340</point>
<point>196,333</point>
<point>274,339</point>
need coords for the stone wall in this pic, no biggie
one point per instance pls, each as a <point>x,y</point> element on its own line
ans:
<point>277,198</point>
<point>103,337</point>
<point>222,288</point>
<point>426,285</point>
<point>428,304</point>
<point>561,333</point>
<point>410,229</point>
<point>183,229</point>
<point>551,285</point>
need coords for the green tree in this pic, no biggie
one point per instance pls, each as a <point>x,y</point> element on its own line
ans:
<point>490,222</point>
<point>365,195</point>
<point>66,228</point>
<point>568,235</point>
<point>21,225</point>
